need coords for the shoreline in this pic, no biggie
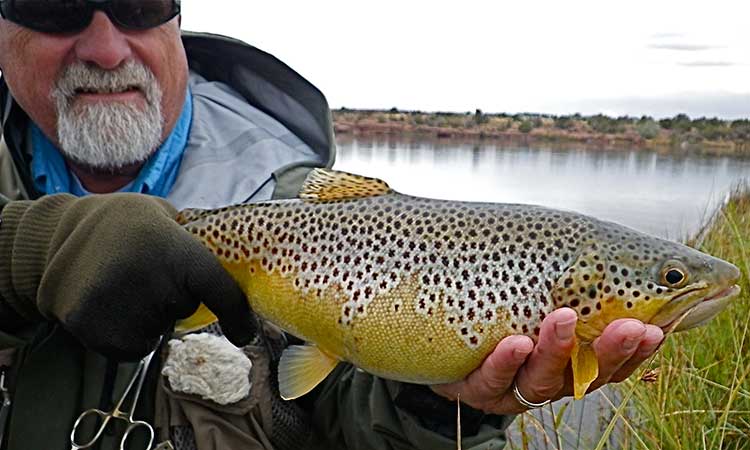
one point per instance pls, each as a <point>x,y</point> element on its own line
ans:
<point>628,133</point>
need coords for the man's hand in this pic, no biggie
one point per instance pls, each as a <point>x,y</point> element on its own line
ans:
<point>115,270</point>
<point>543,372</point>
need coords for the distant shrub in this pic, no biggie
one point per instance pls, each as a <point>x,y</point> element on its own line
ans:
<point>648,129</point>
<point>740,129</point>
<point>563,123</point>
<point>480,118</point>
<point>645,119</point>
<point>502,125</point>
<point>680,123</point>
<point>711,129</point>
<point>666,124</point>
<point>714,132</point>
<point>526,126</point>
<point>603,124</point>
<point>625,120</point>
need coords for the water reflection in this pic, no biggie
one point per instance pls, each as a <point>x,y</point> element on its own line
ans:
<point>663,194</point>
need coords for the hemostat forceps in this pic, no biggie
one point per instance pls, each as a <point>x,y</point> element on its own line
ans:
<point>118,413</point>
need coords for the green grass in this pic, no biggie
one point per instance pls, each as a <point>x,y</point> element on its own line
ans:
<point>701,396</point>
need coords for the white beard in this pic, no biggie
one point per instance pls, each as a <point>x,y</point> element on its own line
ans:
<point>107,136</point>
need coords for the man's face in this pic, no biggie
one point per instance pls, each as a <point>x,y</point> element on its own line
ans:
<point>107,97</point>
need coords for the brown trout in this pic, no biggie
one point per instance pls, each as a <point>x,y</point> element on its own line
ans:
<point>422,290</point>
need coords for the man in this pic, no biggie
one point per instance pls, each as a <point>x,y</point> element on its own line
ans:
<point>101,97</point>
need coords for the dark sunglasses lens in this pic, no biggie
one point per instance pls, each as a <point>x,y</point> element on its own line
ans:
<point>52,16</point>
<point>142,14</point>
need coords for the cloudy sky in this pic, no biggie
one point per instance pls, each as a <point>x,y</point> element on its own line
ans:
<point>656,57</point>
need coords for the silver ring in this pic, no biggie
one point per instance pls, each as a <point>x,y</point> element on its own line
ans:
<point>526,403</point>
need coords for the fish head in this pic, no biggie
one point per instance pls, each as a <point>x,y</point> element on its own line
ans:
<point>698,287</point>
<point>624,273</point>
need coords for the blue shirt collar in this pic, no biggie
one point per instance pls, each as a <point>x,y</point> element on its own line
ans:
<point>52,176</point>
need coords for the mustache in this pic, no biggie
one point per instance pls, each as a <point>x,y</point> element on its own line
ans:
<point>106,136</point>
<point>80,77</point>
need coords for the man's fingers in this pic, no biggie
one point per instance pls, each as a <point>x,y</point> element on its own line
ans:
<point>498,370</point>
<point>542,377</point>
<point>617,344</point>
<point>230,306</point>
<point>211,284</point>
<point>651,341</point>
<point>485,385</point>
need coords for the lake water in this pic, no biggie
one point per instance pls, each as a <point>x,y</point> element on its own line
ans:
<point>665,194</point>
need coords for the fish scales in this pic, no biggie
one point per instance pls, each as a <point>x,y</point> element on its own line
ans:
<point>421,290</point>
<point>405,257</point>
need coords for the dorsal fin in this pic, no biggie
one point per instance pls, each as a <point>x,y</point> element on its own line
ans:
<point>331,185</point>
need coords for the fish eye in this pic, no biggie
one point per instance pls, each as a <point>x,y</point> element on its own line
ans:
<point>673,274</point>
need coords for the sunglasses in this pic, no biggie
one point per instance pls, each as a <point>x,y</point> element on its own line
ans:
<point>70,16</point>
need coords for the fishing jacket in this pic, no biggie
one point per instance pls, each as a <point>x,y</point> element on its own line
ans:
<point>52,378</point>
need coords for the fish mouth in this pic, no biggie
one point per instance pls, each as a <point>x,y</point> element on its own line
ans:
<point>701,312</point>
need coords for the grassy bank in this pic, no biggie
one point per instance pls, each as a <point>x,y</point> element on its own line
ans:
<point>697,393</point>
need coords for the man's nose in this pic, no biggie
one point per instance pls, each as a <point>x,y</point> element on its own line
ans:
<point>102,43</point>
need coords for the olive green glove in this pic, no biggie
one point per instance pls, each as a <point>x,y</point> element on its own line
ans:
<point>115,270</point>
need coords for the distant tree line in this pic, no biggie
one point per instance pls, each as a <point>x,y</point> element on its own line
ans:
<point>680,127</point>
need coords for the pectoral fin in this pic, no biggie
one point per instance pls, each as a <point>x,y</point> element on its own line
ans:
<point>585,367</point>
<point>302,367</point>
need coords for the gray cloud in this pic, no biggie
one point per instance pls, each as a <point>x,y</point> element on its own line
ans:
<point>684,47</point>
<point>707,64</point>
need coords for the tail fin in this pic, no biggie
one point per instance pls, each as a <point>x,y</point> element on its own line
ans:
<point>201,318</point>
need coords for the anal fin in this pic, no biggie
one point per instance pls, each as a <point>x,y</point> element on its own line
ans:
<point>302,367</point>
<point>585,367</point>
